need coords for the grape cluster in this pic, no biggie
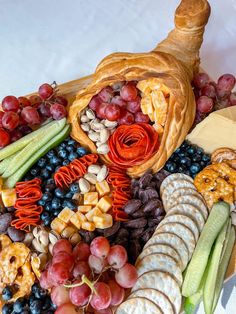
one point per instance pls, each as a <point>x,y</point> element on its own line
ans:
<point>38,302</point>
<point>19,114</point>
<point>211,96</point>
<point>55,199</point>
<point>94,276</point>
<point>188,159</point>
<point>120,103</point>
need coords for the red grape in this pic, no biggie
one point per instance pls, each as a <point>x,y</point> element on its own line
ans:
<point>44,110</point>
<point>10,103</point>
<point>129,92</point>
<point>232,99</point>
<point>200,80</point>
<point>106,94</point>
<point>117,292</point>
<point>60,295</point>
<point>81,251</point>
<point>24,102</point>
<point>58,111</point>
<point>204,104</point>
<point>67,308</point>
<point>117,100</point>
<point>4,138</point>
<point>126,276</point>
<point>226,82</point>
<point>81,268</point>
<point>25,129</point>
<point>101,110</point>
<point>221,93</point>
<point>141,118</point>
<point>44,280</point>
<point>117,86</point>
<point>45,91</point>
<point>10,120</point>
<point>35,100</point>
<point>112,112</point>
<point>95,102</point>
<point>209,91</point>
<point>16,135</point>
<point>223,103</point>
<point>58,273</point>
<point>30,115</point>
<point>80,295</point>
<point>1,115</point>
<point>61,100</point>
<point>97,264</point>
<point>102,299</point>
<point>100,247</point>
<point>117,256</point>
<point>62,245</point>
<point>64,257</point>
<point>134,106</point>
<point>126,118</point>
<point>105,311</point>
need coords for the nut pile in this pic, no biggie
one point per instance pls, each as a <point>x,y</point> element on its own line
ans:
<point>95,173</point>
<point>98,130</point>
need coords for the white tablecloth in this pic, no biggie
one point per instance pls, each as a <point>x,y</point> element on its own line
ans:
<point>47,40</point>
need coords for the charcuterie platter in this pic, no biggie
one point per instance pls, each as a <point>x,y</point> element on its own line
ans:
<point>118,190</point>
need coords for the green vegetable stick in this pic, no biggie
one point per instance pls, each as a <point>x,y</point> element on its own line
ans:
<point>5,163</point>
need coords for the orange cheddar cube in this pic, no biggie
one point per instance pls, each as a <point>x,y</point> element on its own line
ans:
<point>81,216</point>
<point>58,225</point>
<point>102,188</point>
<point>89,226</point>
<point>94,212</point>
<point>91,198</point>
<point>84,208</point>
<point>103,221</point>
<point>105,203</point>
<point>75,220</point>
<point>9,197</point>
<point>66,214</point>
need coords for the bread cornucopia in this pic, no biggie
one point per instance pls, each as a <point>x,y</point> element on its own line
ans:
<point>163,77</point>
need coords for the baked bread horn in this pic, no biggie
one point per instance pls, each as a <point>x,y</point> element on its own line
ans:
<point>168,71</point>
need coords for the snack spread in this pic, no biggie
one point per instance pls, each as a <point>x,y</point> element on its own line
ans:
<point>103,211</point>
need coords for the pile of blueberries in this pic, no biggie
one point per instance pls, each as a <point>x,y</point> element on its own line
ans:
<point>188,159</point>
<point>38,302</point>
<point>55,199</point>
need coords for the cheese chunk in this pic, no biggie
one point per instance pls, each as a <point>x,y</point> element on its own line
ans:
<point>103,221</point>
<point>76,221</point>
<point>84,208</point>
<point>66,214</point>
<point>9,197</point>
<point>105,203</point>
<point>89,226</point>
<point>58,225</point>
<point>102,188</point>
<point>91,198</point>
<point>94,212</point>
<point>1,183</point>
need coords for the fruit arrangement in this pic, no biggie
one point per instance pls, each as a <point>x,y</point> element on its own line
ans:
<point>102,211</point>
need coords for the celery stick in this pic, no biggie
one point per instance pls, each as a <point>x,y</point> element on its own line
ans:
<point>5,163</point>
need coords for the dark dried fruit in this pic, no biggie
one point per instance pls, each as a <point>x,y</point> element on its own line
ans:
<point>147,234</point>
<point>134,250</point>
<point>136,223</point>
<point>122,233</point>
<point>15,234</point>
<point>132,205</point>
<point>152,204</point>
<point>112,230</point>
<point>145,180</point>
<point>135,233</point>
<point>139,213</point>
<point>158,212</point>
<point>148,194</point>
<point>154,222</point>
<point>5,221</point>
<point>135,192</point>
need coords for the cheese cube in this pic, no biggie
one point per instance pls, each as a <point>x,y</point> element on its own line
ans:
<point>58,225</point>
<point>89,226</point>
<point>81,216</point>
<point>84,208</point>
<point>94,212</point>
<point>91,198</point>
<point>1,183</point>
<point>105,203</point>
<point>9,197</point>
<point>75,220</point>
<point>102,188</point>
<point>103,221</point>
<point>66,214</point>
<point>68,232</point>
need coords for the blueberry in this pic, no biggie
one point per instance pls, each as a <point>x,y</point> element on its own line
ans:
<point>206,158</point>
<point>72,156</point>
<point>171,166</point>
<point>48,206</point>
<point>47,221</point>
<point>50,187</point>
<point>182,169</point>
<point>74,187</point>
<point>47,196</point>
<point>50,168</point>
<point>45,173</point>
<point>70,148</point>
<point>69,203</point>
<point>44,216</point>
<point>47,303</point>
<point>35,171</point>
<point>40,293</point>
<point>57,211</point>
<point>182,154</point>
<point>55,160</point>
<point>191,150</point>
<point>35,307</point>
<point>196,158</point>
<point>202,164</point>
<point>199,151</point>
<point>41,202</point>
<point>57,168</point>
<point>62,153</point>
<point>42,162</point>
<point>50,154</point>
<point>69,195</point>
<point>7,308</point>
<point>50,181</point>
<point>185,161</point>
<point>72,142</point>
<point>56,203</point>
<point>176,159</point>
<point>65,162</point>
<point>6,294</point>
<point>177,150</point>
<point>28,177</point>
<point>19,305</point>
<point>31,299</point>
<point>62,145</point>
<point>59,193</point>
<point>188,172</point>
<point>195,168</point>
<point>82,151</point>
<point>35,288</point>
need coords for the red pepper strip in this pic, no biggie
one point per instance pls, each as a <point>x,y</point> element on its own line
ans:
<point>31,183</point>
<point>119,215</point>
<point>33,194</point>
<point>89,159</point>
<point>78,168</point>
<point>23,203</point>
<point>34,209</point>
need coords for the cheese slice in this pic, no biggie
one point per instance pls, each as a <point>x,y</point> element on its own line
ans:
<point>216,131</point>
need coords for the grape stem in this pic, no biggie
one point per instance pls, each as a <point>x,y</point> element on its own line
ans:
<point>84,280</point>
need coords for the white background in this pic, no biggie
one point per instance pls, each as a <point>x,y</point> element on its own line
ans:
<point>46,40</point>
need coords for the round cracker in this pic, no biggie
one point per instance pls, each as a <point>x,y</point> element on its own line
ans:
<point>182,231</point>
<point>184,220</point>
<point>162,262</point>
<point>194,200</point>
<point>174,241</point>
<point>188,210</point>
<point>173,177</point>
<point>163,282</point>
<point>177,193</point>
<point>160,248</point>
<point>138,305</point>
<point>174,186</point>
<point>157,297</point>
